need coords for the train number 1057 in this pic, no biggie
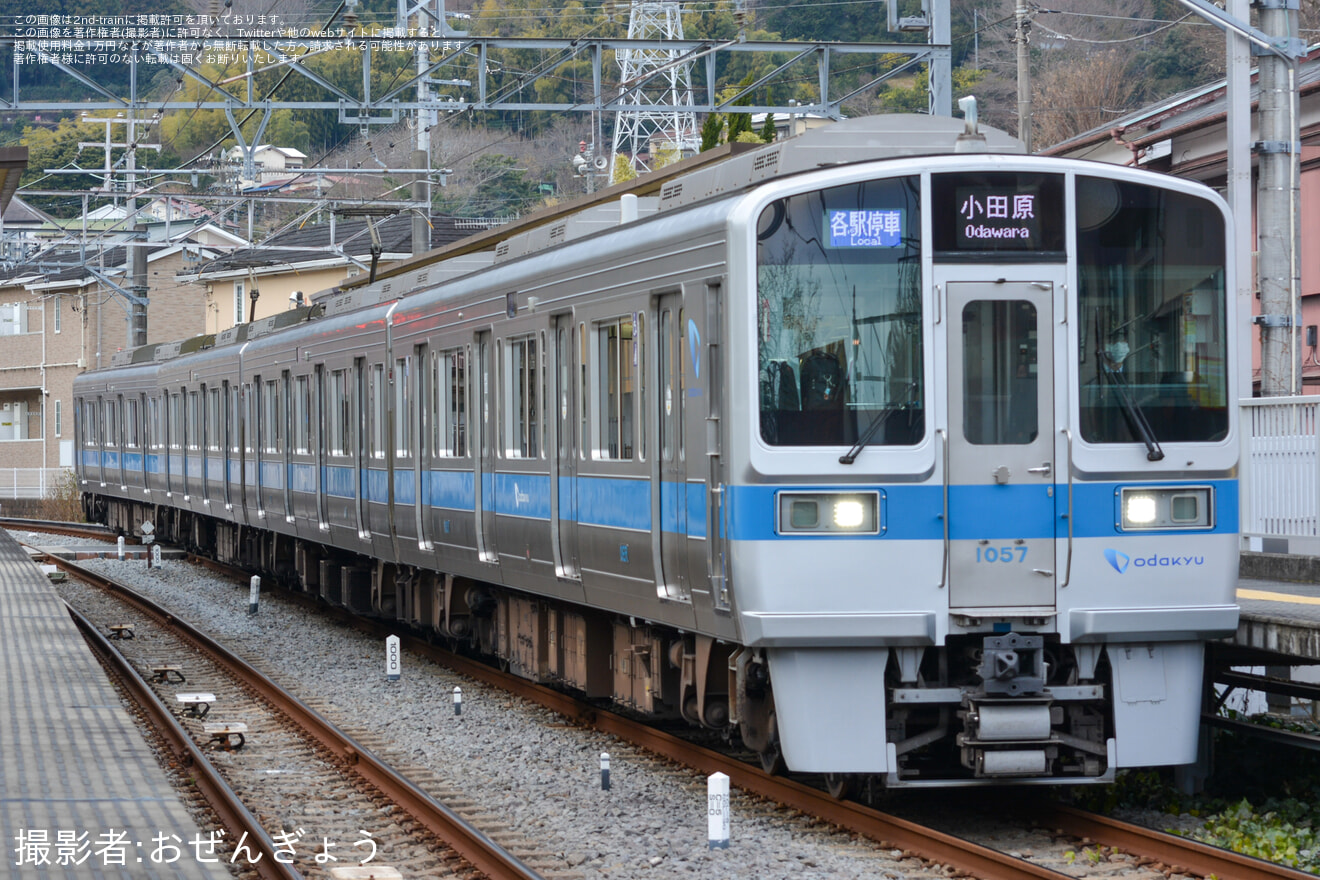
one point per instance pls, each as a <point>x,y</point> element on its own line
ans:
<point>1001,554</point>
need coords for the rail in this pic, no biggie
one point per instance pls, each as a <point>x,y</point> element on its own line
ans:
<point>219,796</point>
<point>484,854</point>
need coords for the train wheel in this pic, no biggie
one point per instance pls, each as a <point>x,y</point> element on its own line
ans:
<point>841,786</point>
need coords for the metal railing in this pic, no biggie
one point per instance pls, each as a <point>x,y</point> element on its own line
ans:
<point>1280,489</point>
<point>32,482</point>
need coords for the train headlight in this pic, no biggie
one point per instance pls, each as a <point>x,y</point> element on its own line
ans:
<point>1157,508</point>
<point>849,513</point>
<point>1139,509</point>
<point>828,513</point>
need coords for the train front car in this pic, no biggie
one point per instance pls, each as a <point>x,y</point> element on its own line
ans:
<point>988,512</point>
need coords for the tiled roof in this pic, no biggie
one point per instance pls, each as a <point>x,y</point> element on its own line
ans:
<point>312,243</point>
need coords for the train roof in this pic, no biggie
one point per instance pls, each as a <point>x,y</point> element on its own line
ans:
<point>722,172</point>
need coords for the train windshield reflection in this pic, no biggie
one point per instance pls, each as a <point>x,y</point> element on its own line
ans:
<point>839,315</point>
<point>1152,308</point>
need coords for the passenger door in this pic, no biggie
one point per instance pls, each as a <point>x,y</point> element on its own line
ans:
<point>671,499</point>
<point>1001,495</point>
<point>563,482</point>
<point>484,454</point>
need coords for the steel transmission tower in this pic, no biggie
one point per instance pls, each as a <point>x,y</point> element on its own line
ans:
<point>656,89</point>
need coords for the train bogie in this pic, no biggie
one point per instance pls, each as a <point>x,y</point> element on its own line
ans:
<point>911,465</point>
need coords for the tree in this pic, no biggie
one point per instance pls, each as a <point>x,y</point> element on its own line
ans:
<point>623,170</point>
<point>711,131</point>
<point>503,187</point>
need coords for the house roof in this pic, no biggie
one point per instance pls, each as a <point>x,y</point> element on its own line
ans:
<point>13,162</point>
<point>1193,108</point>
<point>68,267</point>
<point>314,243</point>
<point>19,212</point>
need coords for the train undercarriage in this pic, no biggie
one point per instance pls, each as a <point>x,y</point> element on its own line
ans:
<point>1005,707</point>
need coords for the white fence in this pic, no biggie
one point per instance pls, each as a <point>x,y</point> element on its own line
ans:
<point>1280,507</point>
<point>31,482</point>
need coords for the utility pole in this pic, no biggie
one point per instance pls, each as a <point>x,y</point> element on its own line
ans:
<point>1023,38</point>
<point>137,329</point>
<point>1277,223</point>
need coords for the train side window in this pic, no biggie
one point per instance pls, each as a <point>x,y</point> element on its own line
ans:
<point>271,420</point>
<point>153,423</point>
<point>111,436</point>
<point>214,439</point>
<point>522,431</point>
<point>235,419</point>
<point>336,408</point>
<point>376,427</point>
<point>194,435</point>
<point>449,390</point>
<point>176,421</point>
<point>616,355</point>
<point>250,417</point>
<point>301,425</point>
<point>134,423</point>
<point>403,382</point>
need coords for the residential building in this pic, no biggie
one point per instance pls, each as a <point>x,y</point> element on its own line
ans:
<point>311,259</point>
<point>1186,135</point>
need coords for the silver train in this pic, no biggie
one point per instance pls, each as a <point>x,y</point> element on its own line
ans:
<point>899,453</point>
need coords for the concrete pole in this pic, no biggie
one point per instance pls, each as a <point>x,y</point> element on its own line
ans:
<point>1277,223</point>
<point>138,263</point>
<point>421,192</point>
<point>941,73</point>
<point>1022,38</point>
<point>1242,287</point>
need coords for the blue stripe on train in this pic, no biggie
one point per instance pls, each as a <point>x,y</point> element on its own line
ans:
<point>909,512</point>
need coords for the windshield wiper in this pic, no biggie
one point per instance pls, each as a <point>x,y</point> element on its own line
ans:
<point>851,455</point>
<point>1136,419</point>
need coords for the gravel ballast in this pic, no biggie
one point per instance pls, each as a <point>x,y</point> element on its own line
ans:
<point>524,764</point>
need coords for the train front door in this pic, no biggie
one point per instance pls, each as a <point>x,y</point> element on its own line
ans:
<point>1001,453</point>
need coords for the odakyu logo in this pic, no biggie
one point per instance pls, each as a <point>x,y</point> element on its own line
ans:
<point>1121,561</point>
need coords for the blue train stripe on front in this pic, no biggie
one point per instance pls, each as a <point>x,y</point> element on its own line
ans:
<point>991,512</point>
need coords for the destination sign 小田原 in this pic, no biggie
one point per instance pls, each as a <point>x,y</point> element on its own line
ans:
<point>998,211</point>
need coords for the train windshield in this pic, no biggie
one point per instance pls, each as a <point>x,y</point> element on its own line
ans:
<point>839,316</point>
<point>1153,334</point>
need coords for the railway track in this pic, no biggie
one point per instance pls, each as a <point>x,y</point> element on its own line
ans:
<point>1167,853</point>
<point>286,750</point>
<point>56,527</point>
<point>1156,851</point>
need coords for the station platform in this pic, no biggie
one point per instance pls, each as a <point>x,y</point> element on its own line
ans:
<point>81,792</point>
<point>1280,600</point>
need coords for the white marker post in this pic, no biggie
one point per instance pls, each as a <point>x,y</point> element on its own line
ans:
<point>155,556</point>
<point>148,533</point>
<point>254,594</point>
<point>121,548</point>
<point>717,811</point>
<point>458,701</point>
<point>393,661</point>
<point>604,771</point>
